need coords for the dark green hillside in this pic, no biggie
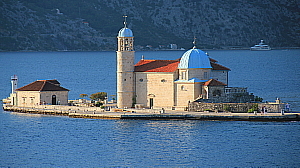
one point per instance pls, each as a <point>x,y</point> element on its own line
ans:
<point>94,24</point>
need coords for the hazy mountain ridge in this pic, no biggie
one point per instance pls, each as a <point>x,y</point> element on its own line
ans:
<point>23,29</point>
<point>226,23</point>
<point>93,25</point>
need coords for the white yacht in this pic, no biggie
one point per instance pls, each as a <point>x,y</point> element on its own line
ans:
<point>261,47</point>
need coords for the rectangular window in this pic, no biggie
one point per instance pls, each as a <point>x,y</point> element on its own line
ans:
<point>205,75</point>
<point>31,100</point>
<point>183,75</point>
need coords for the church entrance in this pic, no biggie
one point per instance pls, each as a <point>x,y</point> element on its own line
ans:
<point>151,103</point>
<point>53,99</point>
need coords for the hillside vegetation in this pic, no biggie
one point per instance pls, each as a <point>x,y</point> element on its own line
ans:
<point>93,24</point>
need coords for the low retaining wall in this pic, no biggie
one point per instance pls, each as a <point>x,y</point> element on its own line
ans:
<point>234,107</point>
<point>152,114</point>
<point>66,109</point>
<point>70,109</point>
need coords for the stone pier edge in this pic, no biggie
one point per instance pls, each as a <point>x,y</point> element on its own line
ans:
<point>153,114</point>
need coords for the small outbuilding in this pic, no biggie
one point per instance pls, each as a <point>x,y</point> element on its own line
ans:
<point>42,92</point>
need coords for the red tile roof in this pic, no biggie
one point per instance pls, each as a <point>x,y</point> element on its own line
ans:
<point>169,65</point>
<point>213,82</point>
<point>216,66</point>
<point>54,81</point>
<point>212,60</point>
<point>156,66</point>
<point>43,85</point>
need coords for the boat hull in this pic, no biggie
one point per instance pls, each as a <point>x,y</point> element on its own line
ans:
<point>260,49</point>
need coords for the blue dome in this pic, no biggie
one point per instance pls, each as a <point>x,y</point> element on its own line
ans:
<point>125,32</point>
<point>194,58</point>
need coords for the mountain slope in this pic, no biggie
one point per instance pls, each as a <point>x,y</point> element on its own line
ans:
<point>93,24</point>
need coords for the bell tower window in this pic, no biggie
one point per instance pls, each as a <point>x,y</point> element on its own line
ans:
<point>205,75</point>
<point>183,75</point>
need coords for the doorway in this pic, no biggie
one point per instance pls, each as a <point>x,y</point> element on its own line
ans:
<point>53,99</point>
<point>151,103</point>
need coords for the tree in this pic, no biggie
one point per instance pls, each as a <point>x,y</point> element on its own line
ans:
<point>83,95</point>
<point>98,96</point>
<point>258,99</point>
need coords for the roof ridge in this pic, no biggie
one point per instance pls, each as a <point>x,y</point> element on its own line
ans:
<point>43,85</point>
<point>53,85</point>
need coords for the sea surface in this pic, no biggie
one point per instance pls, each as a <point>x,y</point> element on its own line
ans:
<point>32,140</point>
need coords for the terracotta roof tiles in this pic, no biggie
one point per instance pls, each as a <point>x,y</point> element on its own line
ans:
<point>216,66</point>
<point>169,65</point>
<point>43,85</point>
<point>212,60</point>
<point>156,66</point>
<point>214,82</point>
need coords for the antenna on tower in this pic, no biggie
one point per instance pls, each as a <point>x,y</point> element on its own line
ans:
<point>125,22</point>
<point>194,42</point>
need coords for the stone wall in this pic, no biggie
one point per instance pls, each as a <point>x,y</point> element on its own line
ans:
<point>185,92</point>
<point>125,80</point>
<point>72,109</point>
<point>234,107</point>
<point>33,98</point>
<point>221,76</point>
<point>227,97</point>
<point>156,86</point>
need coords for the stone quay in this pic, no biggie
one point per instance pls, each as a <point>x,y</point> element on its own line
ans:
<point>152,114</point>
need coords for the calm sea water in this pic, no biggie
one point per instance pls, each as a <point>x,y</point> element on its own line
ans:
<point>52,141</point>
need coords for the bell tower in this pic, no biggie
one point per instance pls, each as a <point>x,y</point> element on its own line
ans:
<point>125,67</point>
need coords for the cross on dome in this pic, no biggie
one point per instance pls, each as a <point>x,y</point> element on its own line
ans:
<point>125,32</point>
<point>125,23</point>
<point>194,42</point>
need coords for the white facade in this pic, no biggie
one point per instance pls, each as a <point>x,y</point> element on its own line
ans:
<point>14,83</point>
<point>33,98</point>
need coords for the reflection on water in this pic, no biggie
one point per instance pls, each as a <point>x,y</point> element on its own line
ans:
<point>51,141</point>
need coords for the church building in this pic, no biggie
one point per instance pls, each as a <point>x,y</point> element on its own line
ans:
<point>168,84</point>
